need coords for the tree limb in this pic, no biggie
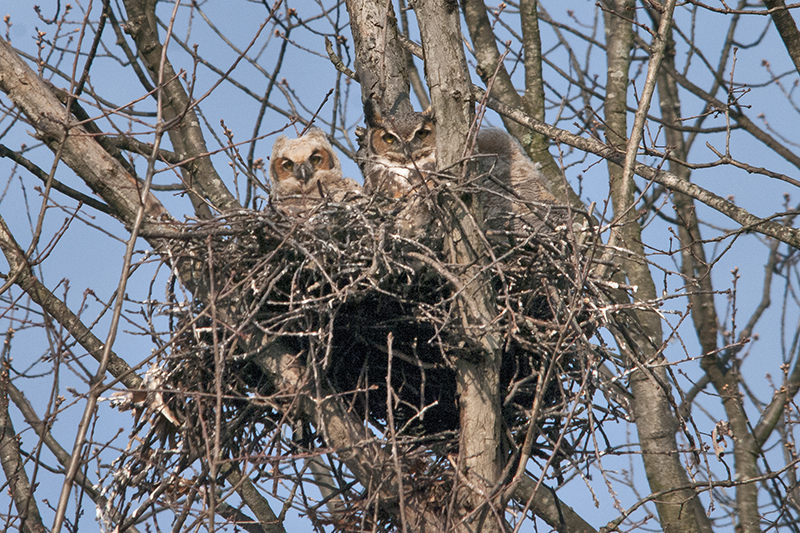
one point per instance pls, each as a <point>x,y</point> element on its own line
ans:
<point>101,172</point>
<point>656,424</point>
<point>787,29</point>
<point>185,134</point>
<point>20,271</point>
<point>546,505</point>
<point>19,485</point>
<point>748,221</point>
<point>478,381</point>
<point>60,453</point>
<point>380,61</point>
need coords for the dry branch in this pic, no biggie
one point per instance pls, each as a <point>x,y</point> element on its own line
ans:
<point>19,486</point>
<point>185,131</point>
<point>72,143</point>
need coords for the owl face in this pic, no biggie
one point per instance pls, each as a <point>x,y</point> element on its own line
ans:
<point>302,166</point>
<point>304,171</point>
<point>400,151</point>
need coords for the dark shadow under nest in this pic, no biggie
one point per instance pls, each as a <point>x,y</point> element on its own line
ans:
<point>334,286</point>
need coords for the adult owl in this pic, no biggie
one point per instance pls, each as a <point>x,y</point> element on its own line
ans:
<point>304,171</point>
<point>397,155</point>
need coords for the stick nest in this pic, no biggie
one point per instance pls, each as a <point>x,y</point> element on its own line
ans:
<point>350,296</point>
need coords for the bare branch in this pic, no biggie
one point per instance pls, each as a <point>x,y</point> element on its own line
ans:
<point>782,18</point>
<point>60,453</point>
<point>187,140</point>
<point>21,274</point>
<point>79,151</point>
<point>19,486</point>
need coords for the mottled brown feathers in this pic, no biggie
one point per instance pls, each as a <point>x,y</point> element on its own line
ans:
<point>397,152</point>
<point>397,155</point>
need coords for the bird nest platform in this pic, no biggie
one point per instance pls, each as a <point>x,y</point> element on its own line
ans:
<point>370,317</point>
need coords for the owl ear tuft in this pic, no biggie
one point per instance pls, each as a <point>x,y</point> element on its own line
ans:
<point>372,111</point>
<point>428,114</point>
<point>361,135</point>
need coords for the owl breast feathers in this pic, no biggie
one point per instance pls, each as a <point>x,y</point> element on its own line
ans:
<point>397,155</point>
<point>304,171</point>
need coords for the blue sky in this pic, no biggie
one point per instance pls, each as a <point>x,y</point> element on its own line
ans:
<point>91,259</point>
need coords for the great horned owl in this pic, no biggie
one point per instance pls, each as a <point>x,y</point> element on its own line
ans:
<point>397,155</point>
<point>396,152</point>
<point>513,189</point>
<point>306,170</point>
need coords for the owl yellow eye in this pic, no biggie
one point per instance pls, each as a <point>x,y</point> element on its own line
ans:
<point>315,159</point>
<point>388,138</point>
<point>421,134</point>
<point>287,164</point>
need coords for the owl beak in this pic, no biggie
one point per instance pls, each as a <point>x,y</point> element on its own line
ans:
<point>304,171</point>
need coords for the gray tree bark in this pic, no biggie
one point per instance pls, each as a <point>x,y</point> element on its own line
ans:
<point>656,424</point>
<point>478,381</point>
